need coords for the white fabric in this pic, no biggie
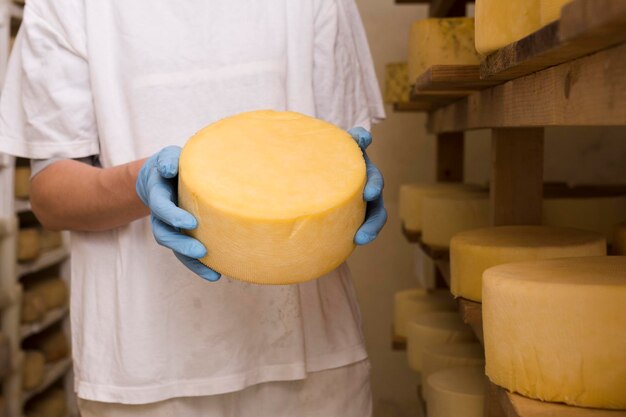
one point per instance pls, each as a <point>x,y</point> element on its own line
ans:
<point>315,396</point>
<point>122,79</point>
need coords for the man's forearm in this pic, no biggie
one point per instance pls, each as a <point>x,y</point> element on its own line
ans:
<point>70,195</point>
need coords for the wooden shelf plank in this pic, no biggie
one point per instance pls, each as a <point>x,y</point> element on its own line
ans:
<point>586,26</point>
<point>54,371</point>
<point>447,8</point>
<point>515,405</point>
<point>46,259</point>
<point>459,78</point>
<point>590,91</point>
<point>52,317</point>
<point>412,107</point>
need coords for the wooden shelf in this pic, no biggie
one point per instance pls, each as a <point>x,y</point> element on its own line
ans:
<point>45,260</point>
<point>22,206</point>
<point>515,405</point>
<point>54,371</point>
<point>459,79</point>
<point>52,317</point>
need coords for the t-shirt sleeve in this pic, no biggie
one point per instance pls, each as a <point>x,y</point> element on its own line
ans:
<point>46,106</point>
<point>345,85</point>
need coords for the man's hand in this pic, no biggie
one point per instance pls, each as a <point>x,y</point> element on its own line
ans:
<point>157,187</point>
<point>376,214</point>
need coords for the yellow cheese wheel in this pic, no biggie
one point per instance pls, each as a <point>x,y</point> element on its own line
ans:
<point>49,239</point>
<point>411,196</point>
<point>22,182</point>
<point>598,213</point>
<point>471,253</point>
<point>619,240</point>
<point>446,215</point>
<point>52,290</point>
<point>456,392</point>
<point>33,307</point>
<point>551,10</point>
<point>455,355</point>
<point>397,87</point>
<point>54,346</point>
<point>33,369</point>
<point>28,244</point>
<point>499,23</point>
<point>278,195</point>
<point>5,355</point>
<point>448,41</point>
<point>410,304</point>
<point>554,330</point>
<point>51,403</point>
<point>431,329</point>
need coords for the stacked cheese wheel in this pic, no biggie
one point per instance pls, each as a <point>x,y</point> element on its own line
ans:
<point>554,329</point>
<point>22,182</point>
<point>447,41</point>
<point>473,252</point>
<point>28,244</point>
<point>397,87</point>
<point>278,195</point>
<point>412,303</point>
<point>456,392</point>
<point>454,355</point>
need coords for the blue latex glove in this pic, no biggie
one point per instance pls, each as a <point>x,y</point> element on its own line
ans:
<point>376,214</point>
<point>157,187</point>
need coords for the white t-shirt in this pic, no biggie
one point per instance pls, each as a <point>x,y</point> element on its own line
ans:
<point>122,79</point>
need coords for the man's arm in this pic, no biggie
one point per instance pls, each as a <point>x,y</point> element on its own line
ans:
<point>71,195</point>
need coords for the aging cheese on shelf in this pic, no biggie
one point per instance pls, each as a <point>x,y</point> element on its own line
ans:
<point>33,307</point>
<point>551,10</point>
<point>598,213</point>
<point>412,195</point>
<point>33,369</point>
<point>473,252</point>
<point>54,346</point>
<point>410,304</point>
<point>28,247</point>
<point>278,195</point>
<point>397,87</point>
<point>22,182</point>
<point>448,41</point>
<point>49,239</point>
<point>431,329</point>
<point>455,355</point>
<point>619,239</point>
<point>499,23</point>
<point>554,330</point>
<point>446,215</point>
<point>51,403</point>
<point>52,290</point>
<point>456,392</point>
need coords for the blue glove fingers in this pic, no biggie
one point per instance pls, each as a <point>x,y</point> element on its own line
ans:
<point>375,182</point>
<point>361,136</point>
<point>198,267</point>
<point>167,161</point>
<point>161,202</point>
<point>375,219</point>
<point>169,237</point>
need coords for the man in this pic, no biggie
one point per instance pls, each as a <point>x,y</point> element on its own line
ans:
<point>93,88</point>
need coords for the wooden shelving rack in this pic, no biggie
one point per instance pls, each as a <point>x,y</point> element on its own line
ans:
<point>569,73</point>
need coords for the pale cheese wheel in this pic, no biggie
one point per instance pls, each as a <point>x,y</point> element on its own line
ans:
<point>410,304</point>
<point>33,369</point>
<point>456,392</point>
<point>449,214</point>
<point>278,195</point>
<point>411,196</point>
<point>447,41</point>
<point>431,329</point>
<point>28,244</point>
<point>554,330</point>
<point>54,346</point>
<point>33,307</point>
<point>499,23</point>
<point>619,240</point>
<point>22,182</point>
<point>597,213</point>
<point>52,403</point>
<point>52,290</point>
<point>551,10</point>
<point>455,355</point>
<point>473,252</point>
<point>50,239</point>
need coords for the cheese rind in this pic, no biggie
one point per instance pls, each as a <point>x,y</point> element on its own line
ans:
<point>33,307</point>
<point>447,215</point>
<point>551,10</point>
<point>473,252</point>
<point>278,195</point>
<point>619,239</point>
<point>447,41</point>
<point>456,392</point>
<point>499,23</point>
<point>410,304</point>
<point>397,87</point>
<point>28,247</point>
<point>412,195</point>
<point>554,330</point>
<point>33,369</point>
<point>456,355</point>
<point>22,182</point>
<point>54,346</point>
<point>52,290</point>
<point>431,329</point>
<point>49,239</point>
